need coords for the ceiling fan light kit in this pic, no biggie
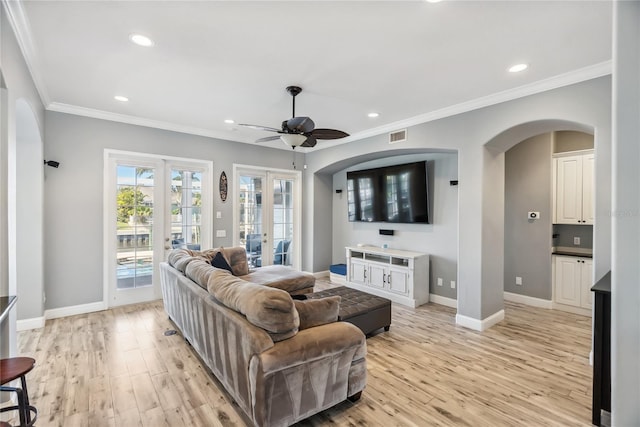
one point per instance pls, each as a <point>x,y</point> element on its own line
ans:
<point>293,139</point>
<point>298,131</point>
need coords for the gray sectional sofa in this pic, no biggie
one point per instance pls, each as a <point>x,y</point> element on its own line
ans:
<point>281,360</point>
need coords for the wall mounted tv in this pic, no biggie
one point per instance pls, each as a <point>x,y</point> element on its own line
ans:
<point>395,193</point>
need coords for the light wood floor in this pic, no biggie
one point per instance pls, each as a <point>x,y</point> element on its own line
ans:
<point>116,368</point>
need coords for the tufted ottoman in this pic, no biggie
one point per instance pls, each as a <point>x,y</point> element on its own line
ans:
<point>368,312</point>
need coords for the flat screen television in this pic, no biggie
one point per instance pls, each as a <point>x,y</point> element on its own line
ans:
<point>395,194</point>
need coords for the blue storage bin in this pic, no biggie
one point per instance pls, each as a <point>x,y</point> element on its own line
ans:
<point>340,269</point>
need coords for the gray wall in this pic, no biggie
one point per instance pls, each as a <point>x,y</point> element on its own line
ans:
<point>438,239</point>
<point>571,141</point>
<point>74,242</point>
<point>17,90</point>
<point>527,243</point>
<point>481,137</point>
<point>566,233</point>
<point>625,292</point>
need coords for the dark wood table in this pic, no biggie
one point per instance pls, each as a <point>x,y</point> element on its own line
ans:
<point>601,349</point>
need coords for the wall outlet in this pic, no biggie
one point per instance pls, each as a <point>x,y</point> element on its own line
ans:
<point>518,281</point>
<point>576,241</point>
<point>221,233</point>
<point>439,281</point>
<point>453,284</point>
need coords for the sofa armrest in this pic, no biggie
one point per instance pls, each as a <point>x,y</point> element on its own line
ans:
<point>312,344</point>
<point>305,374</point>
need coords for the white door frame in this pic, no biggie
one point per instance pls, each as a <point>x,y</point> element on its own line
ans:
<point>268,191</point>
<point>162,165</point>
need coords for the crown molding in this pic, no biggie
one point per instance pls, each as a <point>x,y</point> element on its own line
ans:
<point>22,30</point>
<point>566,79</point>
<point>139,121</point>
<point>577,76</point>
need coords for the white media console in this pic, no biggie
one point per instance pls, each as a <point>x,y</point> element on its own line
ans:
<point>401,276</point>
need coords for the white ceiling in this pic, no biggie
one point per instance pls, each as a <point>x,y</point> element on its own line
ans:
<point>410,61</point>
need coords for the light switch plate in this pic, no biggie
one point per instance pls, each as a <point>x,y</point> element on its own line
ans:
<point>221,233</point>
<point>218,214</point>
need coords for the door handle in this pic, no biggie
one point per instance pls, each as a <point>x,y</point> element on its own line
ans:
<point>167,247</point>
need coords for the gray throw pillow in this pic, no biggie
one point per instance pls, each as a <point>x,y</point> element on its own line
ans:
<point>316,312</point>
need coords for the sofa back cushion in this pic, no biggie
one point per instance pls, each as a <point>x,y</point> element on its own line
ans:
<point>180,258</point>
<point>316,312</point>
<point>237,259</point>
<point>268,308</point>
<point>199,271</point>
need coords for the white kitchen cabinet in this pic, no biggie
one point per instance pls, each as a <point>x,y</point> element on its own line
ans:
<point>572,281</point>
<point>586,283</point>
<point>573,188</point>
<point>401,276</point>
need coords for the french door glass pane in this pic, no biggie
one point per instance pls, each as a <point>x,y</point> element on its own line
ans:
<point>282,220</point>
<point>250,217</point>
<point>186,209</point>
<point>134,204</point>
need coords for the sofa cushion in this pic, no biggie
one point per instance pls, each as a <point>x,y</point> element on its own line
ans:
<point>237,259</point>
<point>268,308</point>
<point>219,261</point>
<point>180,258</point>
<point>316,312</point>
<point>199,271</point>
<point>281,277</point>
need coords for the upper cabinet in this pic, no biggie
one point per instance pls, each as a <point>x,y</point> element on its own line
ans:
<point>573,188</point>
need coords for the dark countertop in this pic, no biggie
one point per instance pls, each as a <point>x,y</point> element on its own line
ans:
<point>5,305</point>
<point>603,285</point>
<point>569,253</point>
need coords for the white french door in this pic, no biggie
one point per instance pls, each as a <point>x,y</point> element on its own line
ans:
<point>152,205</point>
<point>267,215</point>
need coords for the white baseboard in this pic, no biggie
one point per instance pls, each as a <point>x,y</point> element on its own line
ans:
<point>480,325</point>
<point>55,313</point>
<point>27,324</point>
<point>526,300</point>
<point>38,322</point>
<point>448,302</point>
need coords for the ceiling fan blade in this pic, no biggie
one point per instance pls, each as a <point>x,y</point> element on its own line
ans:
<point>258,127</point>
<point>268,138</point>
<point>328,134</point>
<point>310,142</point>
<point>300,124</point>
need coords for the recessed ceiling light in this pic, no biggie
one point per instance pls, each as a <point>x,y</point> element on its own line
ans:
<point>517,68</point>
<point>373,115</point>
<point>434,1</point>
<point>141,40</point>
<point>121,98</point>
<point>229,121</point>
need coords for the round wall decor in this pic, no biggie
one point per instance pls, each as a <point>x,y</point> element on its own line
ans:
<point>224,186</point>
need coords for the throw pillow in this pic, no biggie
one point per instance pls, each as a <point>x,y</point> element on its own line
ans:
<point>316,312</point>
<point>219,261</point>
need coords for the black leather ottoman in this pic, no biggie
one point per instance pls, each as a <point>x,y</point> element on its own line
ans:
<point>368,312</point>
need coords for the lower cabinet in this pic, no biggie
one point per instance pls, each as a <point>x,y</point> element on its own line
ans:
<point>572,281</point>
<point>401,276</point>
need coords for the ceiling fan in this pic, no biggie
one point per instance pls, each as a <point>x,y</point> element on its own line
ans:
<point>298,131</point>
